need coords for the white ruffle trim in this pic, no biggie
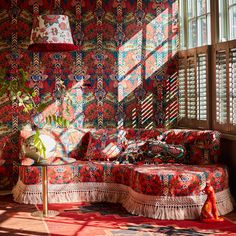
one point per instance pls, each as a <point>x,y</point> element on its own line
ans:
<point>157,207</point>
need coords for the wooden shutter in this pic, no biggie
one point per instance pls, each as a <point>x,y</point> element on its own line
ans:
<point>193,88</point>
<point>225,87</point>
<point>232,88</point>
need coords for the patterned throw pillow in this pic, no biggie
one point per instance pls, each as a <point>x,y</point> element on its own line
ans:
<point>80,151</point>
<point>203,147</point>
<point>134,152</point>
<point>62,145</point>
<point>105,144</point>
<point>163,152</point>
<point>30,151</point>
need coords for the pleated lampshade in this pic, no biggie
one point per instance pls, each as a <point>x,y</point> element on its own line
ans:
<point>51,33</point>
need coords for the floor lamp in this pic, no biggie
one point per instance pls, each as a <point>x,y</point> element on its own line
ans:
<point>50,33</point>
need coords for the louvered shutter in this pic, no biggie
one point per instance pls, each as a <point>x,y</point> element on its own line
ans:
<point>225,87</point>
<point>193,88</point>
<point>232,87</point>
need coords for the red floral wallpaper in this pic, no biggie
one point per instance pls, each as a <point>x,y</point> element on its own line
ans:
<point>126,54</point>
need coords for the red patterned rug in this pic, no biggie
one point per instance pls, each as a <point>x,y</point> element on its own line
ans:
<point>96,219</point>
<point>112,219</point>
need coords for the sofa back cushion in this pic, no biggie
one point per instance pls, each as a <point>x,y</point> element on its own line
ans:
<point>142,134</point>
<point>109,144</point>
<point>203,147</point>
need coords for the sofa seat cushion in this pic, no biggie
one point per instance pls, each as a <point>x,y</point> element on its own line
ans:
<point>177,179</point>
<point>158,180</point>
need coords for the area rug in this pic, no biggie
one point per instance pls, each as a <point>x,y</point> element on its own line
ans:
<point>112,219</point>
<point>97,219</point>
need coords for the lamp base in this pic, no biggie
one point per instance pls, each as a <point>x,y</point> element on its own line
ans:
<point>50,213</point>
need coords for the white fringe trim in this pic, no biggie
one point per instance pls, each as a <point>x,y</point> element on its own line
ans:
<point>157,207</point>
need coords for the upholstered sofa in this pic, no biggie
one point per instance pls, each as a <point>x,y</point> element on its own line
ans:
<point>155,173</point>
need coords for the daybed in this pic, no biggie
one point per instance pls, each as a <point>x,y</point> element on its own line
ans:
<point>155,173</point>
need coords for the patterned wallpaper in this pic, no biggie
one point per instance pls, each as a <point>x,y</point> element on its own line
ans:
<point>126,53</point>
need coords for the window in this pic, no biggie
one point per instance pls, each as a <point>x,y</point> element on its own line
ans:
<point>207,74</point>
<point>227,20</point>
<point>195,27</point>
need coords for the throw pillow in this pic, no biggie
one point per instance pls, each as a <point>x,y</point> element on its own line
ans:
<point>134,152</point>
<point>163,152</point>
<point>80,151</point>
<point>30,151</point>
<point>198,155</point>
<point>105,144</point>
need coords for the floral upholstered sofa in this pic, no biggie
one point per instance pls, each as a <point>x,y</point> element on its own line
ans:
<point>154,173</point>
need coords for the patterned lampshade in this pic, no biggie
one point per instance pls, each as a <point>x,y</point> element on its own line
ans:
<point>51,33</point>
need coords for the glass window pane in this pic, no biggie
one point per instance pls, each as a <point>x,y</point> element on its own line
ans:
<point>232,22</point>
<point>182,35</point>
<point>208,29</point>
<point>208,6</point>
<point>201,7</point>
<point>232,2</point>
<point>192,29</point>
<point>181,22</point>
<point>222,21</point>
<point>202,31</point>
<point>191,8</point>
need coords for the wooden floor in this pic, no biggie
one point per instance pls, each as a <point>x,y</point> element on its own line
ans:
<point>15,219</point>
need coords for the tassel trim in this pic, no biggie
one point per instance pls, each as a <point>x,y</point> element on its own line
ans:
<point>157,207</point>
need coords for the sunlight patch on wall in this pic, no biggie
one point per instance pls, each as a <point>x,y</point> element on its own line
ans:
<point>130,55</point>
<point>129,69</point>
<point>147,110</point>
<point>156,49</point>
<point>156,32</point>
<point>70,107</point>
<point>129,83</point>
<point>134,118</point>
<point>171,107</point>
